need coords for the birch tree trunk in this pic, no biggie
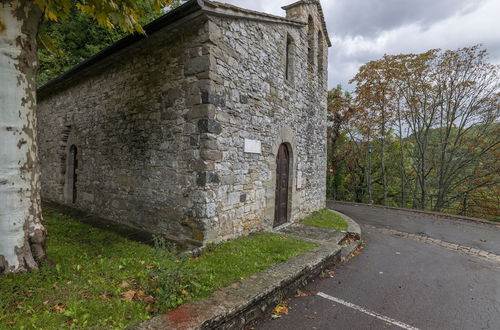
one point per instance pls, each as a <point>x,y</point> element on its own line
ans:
<point>22,235</point>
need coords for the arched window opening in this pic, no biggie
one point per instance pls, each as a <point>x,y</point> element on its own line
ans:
<point>321,54</point>
<point>310,44</point>
<point>289,58</point>
<point>71,173</point>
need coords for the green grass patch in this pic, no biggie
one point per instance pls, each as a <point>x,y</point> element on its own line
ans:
<point>326,219</point>
<point>104,281</point>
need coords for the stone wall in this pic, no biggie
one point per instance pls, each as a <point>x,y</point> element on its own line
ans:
<point>159,127</point>
<point>135,119</point>
<point>259,103</point>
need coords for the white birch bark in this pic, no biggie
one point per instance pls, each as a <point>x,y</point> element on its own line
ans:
<point>22,235</point>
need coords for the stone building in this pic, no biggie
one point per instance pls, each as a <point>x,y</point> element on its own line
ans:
<point>211,127</point>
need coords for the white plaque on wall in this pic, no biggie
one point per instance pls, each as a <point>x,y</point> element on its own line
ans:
<point>299,180</point>
<point>253,146</point>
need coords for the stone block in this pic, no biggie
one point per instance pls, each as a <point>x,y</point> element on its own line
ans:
<point>207,178</point>
<point>197,65</point>
<point>214,155</point>
<point>201,111</point>
<point>209,126</point>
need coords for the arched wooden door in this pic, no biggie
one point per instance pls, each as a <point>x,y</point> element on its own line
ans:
<point>282,178</point>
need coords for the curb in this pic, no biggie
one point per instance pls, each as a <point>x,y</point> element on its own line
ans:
<point>444,215</point>
<point>247,300</point>
<point>352,226</point>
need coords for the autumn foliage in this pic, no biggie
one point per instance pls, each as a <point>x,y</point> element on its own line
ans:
<point>423,132</point>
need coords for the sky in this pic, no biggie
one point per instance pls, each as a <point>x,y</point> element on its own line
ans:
<point>364,30</point>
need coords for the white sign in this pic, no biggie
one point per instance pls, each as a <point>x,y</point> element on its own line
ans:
<point>253,146</point>
<point>299,180</point>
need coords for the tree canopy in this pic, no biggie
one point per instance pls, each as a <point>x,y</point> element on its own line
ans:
<point>426,131</point>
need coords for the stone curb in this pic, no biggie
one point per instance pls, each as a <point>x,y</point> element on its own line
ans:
<point>444,215</point>
<point>247,300</point>
<point>352,226</point>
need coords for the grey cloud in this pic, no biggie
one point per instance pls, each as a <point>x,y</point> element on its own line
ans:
<point>370,17</point>
<point>364,30</point>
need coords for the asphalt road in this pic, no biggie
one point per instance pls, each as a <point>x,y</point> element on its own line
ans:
<point>399,283</point>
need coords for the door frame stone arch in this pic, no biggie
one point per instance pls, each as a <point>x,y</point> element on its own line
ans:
<point>285,136</point>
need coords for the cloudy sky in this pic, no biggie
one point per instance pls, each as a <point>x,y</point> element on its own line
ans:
<point>364,30</point>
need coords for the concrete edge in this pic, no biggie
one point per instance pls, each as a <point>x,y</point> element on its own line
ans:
<point>444,215</point>
<point>349,249</point>
<point>352,226</point>
<point>245,301</point>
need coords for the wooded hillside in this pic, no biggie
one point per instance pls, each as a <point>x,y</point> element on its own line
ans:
<point>422,131</point>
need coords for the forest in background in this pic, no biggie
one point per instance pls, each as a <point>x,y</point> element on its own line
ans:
<point>420,131</point>
<point>72,40</point>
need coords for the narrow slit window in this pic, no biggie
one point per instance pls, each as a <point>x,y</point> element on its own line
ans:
<point>310,44</point>
<point>72,178</point>
<point>289,60</point>
<point>320,54</point>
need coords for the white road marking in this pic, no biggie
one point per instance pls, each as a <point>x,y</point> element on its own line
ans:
<point>364,310</point>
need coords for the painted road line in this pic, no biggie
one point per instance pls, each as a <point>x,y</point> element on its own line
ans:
<point>368,312</point>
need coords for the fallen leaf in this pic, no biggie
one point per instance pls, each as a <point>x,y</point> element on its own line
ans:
<point>301,293</point>
<point>11,322</point>
<point>281,310</point>
<point>106,296</point>
<point>87,296</point>
<point>45,302</point>
<point>149,299</point>
<point>142,262</point>
<point>128,295</point>
<point>185,292</point>
<point>139,293</point>
<point>398,252</point>
<point>329,272</point>
<point>149,266</point>
<point>70,321</point>
<point>124,284</point>
<point>59,307</point>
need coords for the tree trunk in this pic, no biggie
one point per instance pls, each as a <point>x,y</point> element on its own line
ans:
<point>22,235</point>
<point>384,173</point>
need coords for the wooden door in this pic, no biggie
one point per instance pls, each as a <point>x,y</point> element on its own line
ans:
<point>282,178</point>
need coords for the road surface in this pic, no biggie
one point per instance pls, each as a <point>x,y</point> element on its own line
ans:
<point>410,275</point>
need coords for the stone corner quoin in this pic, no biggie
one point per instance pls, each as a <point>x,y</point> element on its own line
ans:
<point>179,133</point>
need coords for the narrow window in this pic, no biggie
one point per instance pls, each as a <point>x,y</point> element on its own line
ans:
<point>320,54</point>
<point>289,60</point>
<point>72,167</point>
<point>310,44</point>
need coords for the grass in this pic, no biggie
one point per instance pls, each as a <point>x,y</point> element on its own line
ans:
<point>326,219</point>
<point>104,281</point>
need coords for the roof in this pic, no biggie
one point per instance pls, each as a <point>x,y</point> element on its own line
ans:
<point>320,10</point>
<point>188,8</point>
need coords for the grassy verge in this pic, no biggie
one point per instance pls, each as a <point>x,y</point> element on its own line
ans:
<point>104,281</point>
<point>326,219</point>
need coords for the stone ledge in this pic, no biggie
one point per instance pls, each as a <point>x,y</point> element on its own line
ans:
<point>352,226</point>
<point>245,301</point>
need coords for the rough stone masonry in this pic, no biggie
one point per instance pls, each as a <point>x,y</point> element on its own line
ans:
<point>178,133</point>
